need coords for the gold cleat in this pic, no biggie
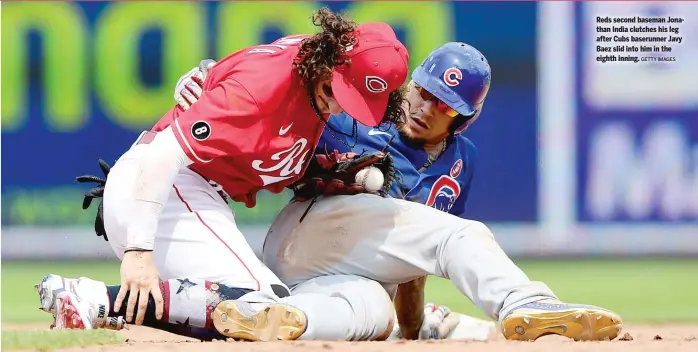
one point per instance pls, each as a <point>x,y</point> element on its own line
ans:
<point>241,321</point>
<point>578,322</point>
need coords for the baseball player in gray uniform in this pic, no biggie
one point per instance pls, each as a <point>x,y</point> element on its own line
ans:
<point>331,245</point>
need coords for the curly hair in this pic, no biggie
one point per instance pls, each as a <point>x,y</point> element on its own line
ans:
<point>324,51</point>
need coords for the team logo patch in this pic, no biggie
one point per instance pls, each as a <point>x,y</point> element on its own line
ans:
<point>200,130</point>
<point>452,77</point>
<point>443,193</point>
<point>375,84</point>
<point>457,168</point>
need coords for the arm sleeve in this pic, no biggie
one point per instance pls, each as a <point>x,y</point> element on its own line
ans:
<point>157,170</point>
<point>219,124</point>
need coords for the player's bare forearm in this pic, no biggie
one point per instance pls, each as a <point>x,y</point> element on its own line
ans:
<point>409,306</point>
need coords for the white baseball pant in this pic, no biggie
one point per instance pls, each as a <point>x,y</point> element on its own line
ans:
<point>393,241</point>
<point>197,238</point>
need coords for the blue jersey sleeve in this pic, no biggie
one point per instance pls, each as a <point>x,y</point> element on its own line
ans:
<point>459,208</point>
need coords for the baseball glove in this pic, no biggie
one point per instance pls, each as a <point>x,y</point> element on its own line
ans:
<point>335,174</point>
<point>96,192</point>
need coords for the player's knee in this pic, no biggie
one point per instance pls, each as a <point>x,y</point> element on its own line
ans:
<point>475,228</point>
<point>373,309</point>
<point>380,311</point>
<point>468,233</point>
<point>481,229</point>
<point>370,311</point>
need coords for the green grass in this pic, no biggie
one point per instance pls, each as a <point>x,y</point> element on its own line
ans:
<point>641,291</point>
<point>46,340</point>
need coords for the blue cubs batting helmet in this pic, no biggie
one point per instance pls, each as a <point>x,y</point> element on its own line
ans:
<point>458,75</point>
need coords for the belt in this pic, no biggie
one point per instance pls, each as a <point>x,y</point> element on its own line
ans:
<point>147,137</point>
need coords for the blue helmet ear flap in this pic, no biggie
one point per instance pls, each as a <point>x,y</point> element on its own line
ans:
<point>462,122</point>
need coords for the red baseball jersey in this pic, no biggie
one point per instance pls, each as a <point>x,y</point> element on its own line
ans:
<point>254,127</point>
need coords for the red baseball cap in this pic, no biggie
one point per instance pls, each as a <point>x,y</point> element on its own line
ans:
<point>378,66</point>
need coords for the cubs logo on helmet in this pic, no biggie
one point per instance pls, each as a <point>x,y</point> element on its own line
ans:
<point>452,76</point>
<point>459,75</point>
<point>443,193</point>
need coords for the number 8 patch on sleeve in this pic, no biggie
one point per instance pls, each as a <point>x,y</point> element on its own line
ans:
<point>200,130</point>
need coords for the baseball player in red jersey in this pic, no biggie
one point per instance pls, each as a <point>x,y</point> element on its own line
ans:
<point>255,128</point>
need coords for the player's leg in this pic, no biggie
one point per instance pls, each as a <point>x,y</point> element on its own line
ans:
<point>197,236</point>
<point>84,303</point>
<point>336,307</point>
<point>525,309</point>
<point>395,241</point>
<point>197,242</point>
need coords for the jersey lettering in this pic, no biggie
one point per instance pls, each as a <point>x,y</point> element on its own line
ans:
<point>289,166</point>
<point>290,40</point>
<point>280,44</point>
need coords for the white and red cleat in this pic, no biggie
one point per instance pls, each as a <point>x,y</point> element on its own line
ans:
<point>79,303</point>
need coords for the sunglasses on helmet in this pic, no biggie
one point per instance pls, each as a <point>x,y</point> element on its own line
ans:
<point>440,105</point>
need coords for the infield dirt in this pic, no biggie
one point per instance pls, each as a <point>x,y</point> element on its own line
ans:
<point>636,338</point>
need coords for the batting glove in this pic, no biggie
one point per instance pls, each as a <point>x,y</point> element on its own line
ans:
<point>436,324</point>
<point>433,326</point>
<point>189,87</point>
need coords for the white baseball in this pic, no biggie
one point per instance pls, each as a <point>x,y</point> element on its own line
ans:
<point>371,178</point>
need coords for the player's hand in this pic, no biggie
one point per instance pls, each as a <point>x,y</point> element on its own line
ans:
<point>190,86</point>
<point>435,324</point>
<point>140,279</point>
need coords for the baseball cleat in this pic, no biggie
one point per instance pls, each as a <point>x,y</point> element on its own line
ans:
<point>240,320</point>
<point>550,317</point>
<point>76,303</point>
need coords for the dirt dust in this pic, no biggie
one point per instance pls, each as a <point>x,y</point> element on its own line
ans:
<point>636,338</point>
